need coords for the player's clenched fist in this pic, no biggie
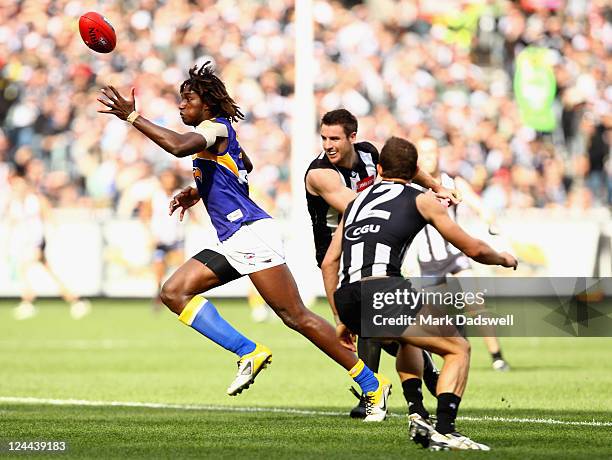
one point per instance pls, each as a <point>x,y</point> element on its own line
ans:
<point>184,199</point>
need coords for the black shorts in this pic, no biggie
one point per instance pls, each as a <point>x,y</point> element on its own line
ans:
<point>348,304</point>
<point>218,264</point>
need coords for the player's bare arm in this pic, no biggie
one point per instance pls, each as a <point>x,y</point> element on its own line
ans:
<point>426,180</point>
<point>437,215</point>
<point>179,145</point>
<point>476,204</point>
<point>329,268</point>
<point>327,184</point>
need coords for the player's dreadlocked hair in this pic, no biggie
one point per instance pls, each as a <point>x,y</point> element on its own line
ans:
<point>212,91</point>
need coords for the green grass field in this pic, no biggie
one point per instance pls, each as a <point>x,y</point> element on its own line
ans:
<point>58,378</point>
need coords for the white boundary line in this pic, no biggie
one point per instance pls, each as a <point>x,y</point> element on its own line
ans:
<point>277,410</point>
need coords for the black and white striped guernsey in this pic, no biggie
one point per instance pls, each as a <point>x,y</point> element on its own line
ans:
<point>379,226</point>
<point>325,219</point>
<point>436,256</point>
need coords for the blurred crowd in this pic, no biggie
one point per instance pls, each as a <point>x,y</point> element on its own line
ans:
<point>413,68</point>
<point>445,69</point>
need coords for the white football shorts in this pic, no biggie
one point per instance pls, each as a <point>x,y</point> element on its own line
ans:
<point>256,246</point>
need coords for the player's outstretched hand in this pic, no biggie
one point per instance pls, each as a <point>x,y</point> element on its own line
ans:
<point>118,105</point>
<point>509,260</point>
<point>184,199</point>
<point>346,337</point>
<point>449,196</point>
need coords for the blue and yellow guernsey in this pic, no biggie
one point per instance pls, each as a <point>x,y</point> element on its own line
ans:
<point>222,184</point>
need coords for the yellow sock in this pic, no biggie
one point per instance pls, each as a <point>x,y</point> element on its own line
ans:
<point>357,369</point>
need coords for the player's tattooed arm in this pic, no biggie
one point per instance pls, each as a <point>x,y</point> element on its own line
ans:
<point>437,215</point>
<point>326,184</point>
<point>179,145</point>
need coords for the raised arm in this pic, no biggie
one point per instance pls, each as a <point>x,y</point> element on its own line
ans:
<point>327,184</point>
<point>437,215</point>
<point>179,145</point>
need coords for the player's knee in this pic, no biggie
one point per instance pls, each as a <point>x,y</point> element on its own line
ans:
<point>293,318</point>
<point>288,318</point>
<point>457,346</point>
<point>464,347</point>
<point>305,321</point>
<point>172,296</point>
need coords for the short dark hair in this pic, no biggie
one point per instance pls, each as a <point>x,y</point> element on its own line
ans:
<point>398,159</point>
<point>211,90</point>
<point>343,118</point>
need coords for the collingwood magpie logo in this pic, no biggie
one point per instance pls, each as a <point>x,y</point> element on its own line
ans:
<point>354,233</point>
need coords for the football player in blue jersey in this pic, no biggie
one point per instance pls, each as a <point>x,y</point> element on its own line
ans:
<point>250,243</point>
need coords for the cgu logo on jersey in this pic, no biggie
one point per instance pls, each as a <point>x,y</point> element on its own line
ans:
<point>354,233</point>
<point>197,174</point>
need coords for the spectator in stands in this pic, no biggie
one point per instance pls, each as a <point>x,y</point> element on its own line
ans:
<point>407,68</point>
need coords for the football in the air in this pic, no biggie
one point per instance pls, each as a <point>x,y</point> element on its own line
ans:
<point>97,32</point>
